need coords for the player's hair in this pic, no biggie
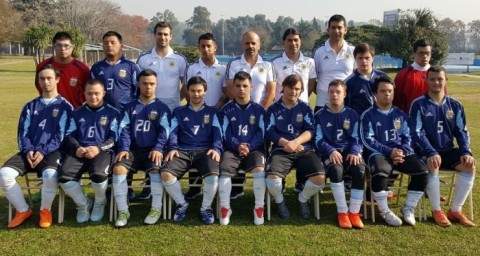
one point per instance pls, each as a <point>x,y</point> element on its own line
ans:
<point>207,36</point>
<point>162,24</point>
<point>290,31</point>
<point>363,48</point>
<point>337,18</point>
<point>436,69</point>
<point>338,82</point>
<point>381,79</point>
<point>420,43</point>
<point>194,80</point>
<point>113,33</point>
<point>49,66</point>
<point>242,76</point>
<point>94,82</point>
<point>146,72</point>
<point>62,35</point>
<point>291,80</point>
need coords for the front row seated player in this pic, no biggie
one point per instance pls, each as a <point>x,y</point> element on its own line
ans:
<point>40,132</point>
<point>144,128</point>
<point>92,132</point>
<point>243,130</point>
<point>290,127</point>
<point>386,137</point>
<point>437,110</point>
<point>337,142</point>
<point>195,141</point>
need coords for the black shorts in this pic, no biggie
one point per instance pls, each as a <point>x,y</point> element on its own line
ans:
<point>189,159</point>
<point>450,158</point>
<point>232,162</point>
<point>20,164</point>
<point>307,163</point>
<point>347,167</point>
<point>138,160</point>
<point>72,167</point>
<point>383,165</point>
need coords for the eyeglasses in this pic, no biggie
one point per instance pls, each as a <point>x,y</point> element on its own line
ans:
<point>423,53</point>
<point>63,46</point>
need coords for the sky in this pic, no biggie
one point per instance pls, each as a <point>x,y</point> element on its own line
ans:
<point>465,10</point>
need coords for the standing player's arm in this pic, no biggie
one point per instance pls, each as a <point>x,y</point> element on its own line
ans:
<point>270,95</point>
<point>230,94</point>
<point>183,91</point>
<point>223,99</point>
<point>312,82</point>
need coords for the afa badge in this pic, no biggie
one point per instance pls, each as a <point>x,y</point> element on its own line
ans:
<point>346,124</point>
<point>261,70</point>
<point>397,123</point>
<point>218,74</point>
<point>122,73</point>
<point>299,118</point>
<point>153,115</point>
<point>450,115</point>
<point>303,67</point>
<point>55,112</point>
<point>206,119</point>
<point>252,119</point>
<point>171,63</point>
<point>73,81</point>
<point>347,56</point>
<point>103,120</point>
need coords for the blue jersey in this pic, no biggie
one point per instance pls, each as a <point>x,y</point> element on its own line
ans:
<point>195,130</point>
<point>382,131</point>
<point>359,90</point>
<point>120,80</point>
<point>337,131</point>
<point>93,127</point>
<point>446,122</point>
<point>144,125</point>
<point>243,125</point>
<point>282,122</point>
<point>42,125</point>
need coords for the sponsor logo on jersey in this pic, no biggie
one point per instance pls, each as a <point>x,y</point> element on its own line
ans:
<point>206,119</point>
<point>329,124</point>
<point>101,73</point>
<point>346,124</point>
<point>233,119</point>
<point>152,64</point>
<point>397,123</point>
<point>81,120</point>
<point>35,112</point>
<point>73,81</point>
<point>134,112</point>
<point>252,119</point>
<point>122,73</point>
<point>450,114</point>
<point>55,112</point>
<point>199,73</point>
<point>103,120</point>
<point>153,115</point>
<point>326,57</point>
<point>284,68</point>
<point>361,91</point>
<point>171,63</point>
<point>378,124</point>
<point>429,114</point>
<point>280,118</point>
<point>186,119</point>
<point>299,118</point>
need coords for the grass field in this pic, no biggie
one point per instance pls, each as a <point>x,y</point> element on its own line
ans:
<point>294,236</point>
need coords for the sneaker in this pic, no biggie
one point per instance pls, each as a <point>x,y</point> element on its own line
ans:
<point>408,215</point>
<point>283,211</point>
<point>122,220</point>
<point>440,218</point>
<point>98,211</point>
<point>304,210</point>
<point>19,218</point>
<point>356,220</point>
<point>298,187</point>
<point>236,193</point>
<point>131,195</point>
<point>207,216</point>
<point>145,194</point>
<point>37,197</point>
<point>152,216</point>
<point>45,218</point>
<point>83,212</point>
<point>193,193</point>
<point>225,215</point>
<point>344,220</point>
<point>258,216</point>
<point>180,212</point>
<point>391,218</point>
<point>460,217</point>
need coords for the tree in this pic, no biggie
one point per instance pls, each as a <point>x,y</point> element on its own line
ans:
<point>198,24</point>
<point>455,33</point>
<point>133,29</point>
<point>36,12</point>
<point>190,52</point>
<point>10,23</point>
<point>165,16</point>
<point>475,34</point>
<point>39,38</point>
<point>280,26</point>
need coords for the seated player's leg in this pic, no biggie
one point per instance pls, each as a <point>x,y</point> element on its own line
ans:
<point>278,166</point>
<point>99,168</point>
<point>255,162</point>
<point>48,166</point>
<point>120,188</point>
<point>335,173</point>
<point>357,176</point>
<point>170,173</point>
<point>157,195</point>
<point>209,169</point>
<point>309,164</point>
<point>228,168</point>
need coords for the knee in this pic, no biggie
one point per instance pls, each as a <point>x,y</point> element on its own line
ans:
<point>318,180</point>
<point>119,170</point>
<point>166,176</point>
<point>335,173</point>
<point>379,183</point>
<point>211,179</point>
<point>258,169</point>
<point>49,174</point>
<point>98,178</point>
<point>7,177</point>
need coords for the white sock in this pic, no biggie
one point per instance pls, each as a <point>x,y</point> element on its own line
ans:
<point>356,200</point>
<point>413,197</point>
<point>338,191</point>
<point>157,190</point>
<point>174,189</point>
<point>259,187</point>
<point>74,190</point>
<point>120,190</point>
<point>210,187</point>
<point>275,188</point>
<point>382,202</point>
<point>463,186</point>
<point>99,190</point>
<point>13,191</point>
<point>224,190</point>
<point>308,191</point>
<point>49,188</point>
<point>433,191</point>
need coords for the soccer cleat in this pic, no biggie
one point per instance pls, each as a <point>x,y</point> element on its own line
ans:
<point>19,218</point>
<point>145,194</point>
<point>122,220</point>
<point>440,218</point>
<point>356,220</point>
<point>83,212</point>
<point>207,216</point>
<point>193,193</point>
<point>258,216</point>
<point>304,210</point>
<point>283,211</point>
<point>225,215</point>
<point>344,220</point>
<point>152,216</point>
<point>98,211</point>
<point>45,218</point>
<point>391,218</point>
<point>460,217</point>
<point>408,215</point>
<point>180,212</point>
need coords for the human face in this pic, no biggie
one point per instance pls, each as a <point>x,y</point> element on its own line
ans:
<point>336,95</point>
<point>251,44</point>
<point>94,94</point>
<point>112,47</point>
<point>291,94</point>
<point>47,80</point>
<point>364,62</point>
<point>336,31</point>
<point>207,48</point>
<point>163,36</point>
<point>422,55</point>
<point>436,82</point>
<point>384,94</point>
<point>147,86</point>
<point>63,49</point>
<point>292,44</point>
<point>242,89</point>
<point>196,94</point>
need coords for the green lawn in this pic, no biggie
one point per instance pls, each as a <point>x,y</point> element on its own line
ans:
<point>277,237</point>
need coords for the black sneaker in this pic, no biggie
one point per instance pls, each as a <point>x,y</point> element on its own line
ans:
<point>283,211</point>
<point>145,194</point>
<point>304,210</point>
<point>192,193</point>
<point>236,192</point>
<point>298,187</point>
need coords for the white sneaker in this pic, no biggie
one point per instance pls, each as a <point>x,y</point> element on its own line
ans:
<point>391,218</point>
<point>98,211</point>
<point>83,212</point>
<point>258,216</point>
<point>152,216</point>
<point>225,215</point>
<point>408,215</point>
<point>122,220</point>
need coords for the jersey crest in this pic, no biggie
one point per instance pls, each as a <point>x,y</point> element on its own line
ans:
<point>397,123</point>
<point>153,115</point>
<point>299,118</point>
<point>55,112</point>
<point>252,119</point>
<point>450,114</point>
<point>103,120</point>
<point>122,73</point>
<point>206,119</point>
<point>346,124</point>
<point>73,81</point>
